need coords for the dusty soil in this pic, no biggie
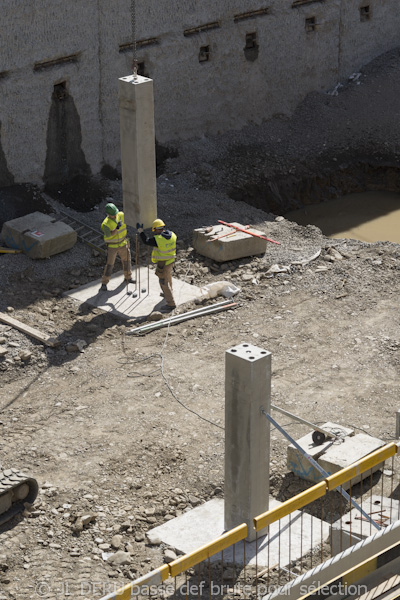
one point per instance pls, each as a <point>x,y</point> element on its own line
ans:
<point>129,431</point>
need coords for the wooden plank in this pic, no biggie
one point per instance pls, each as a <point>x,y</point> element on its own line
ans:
<point>38,335</point>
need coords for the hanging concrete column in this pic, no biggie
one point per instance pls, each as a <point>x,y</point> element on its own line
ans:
<point>138,154</point>
<point>247,435</point>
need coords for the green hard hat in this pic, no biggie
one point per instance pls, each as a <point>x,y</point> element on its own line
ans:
<point>111,209</point>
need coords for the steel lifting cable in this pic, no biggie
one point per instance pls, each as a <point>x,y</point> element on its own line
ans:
<point>133,26</point>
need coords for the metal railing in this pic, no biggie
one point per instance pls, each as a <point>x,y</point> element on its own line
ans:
<point>303,533</point>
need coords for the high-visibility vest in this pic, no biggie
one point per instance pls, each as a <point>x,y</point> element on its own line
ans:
<point>165,249</point>
<point>118,236</point>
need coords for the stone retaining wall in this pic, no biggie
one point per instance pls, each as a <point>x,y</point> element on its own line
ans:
<point>60,63</point>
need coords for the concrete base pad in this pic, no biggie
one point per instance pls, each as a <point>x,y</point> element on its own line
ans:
<point>38,235</point>
<point>353,527</point>
<point>331,457</point>
<point>205,523</point>
<point>117,301</point>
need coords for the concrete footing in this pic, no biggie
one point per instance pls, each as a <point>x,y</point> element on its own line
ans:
<point>38,235</point>
<point>353,527</point>
<point>135,301</point>
<point>286,542</point>
<point>223,243</point>
<point>349,449</point>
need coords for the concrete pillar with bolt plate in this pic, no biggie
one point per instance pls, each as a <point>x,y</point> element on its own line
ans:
<point>138,150</point>
<point>247,435</point>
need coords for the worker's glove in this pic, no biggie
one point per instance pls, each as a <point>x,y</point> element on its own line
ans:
<point>119,224</point>
<point>139,227</point>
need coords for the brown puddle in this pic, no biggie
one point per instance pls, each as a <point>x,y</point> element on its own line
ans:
<point>367,216</point>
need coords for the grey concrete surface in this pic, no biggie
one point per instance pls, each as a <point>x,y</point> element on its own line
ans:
<point>247,435</point>
<point>224,243</point>
<point>352,527</point>
<point>138,150</point>
<point>38,235</point>
<point>331,457</point>
<point>285,543</point>
<point>117,301</point>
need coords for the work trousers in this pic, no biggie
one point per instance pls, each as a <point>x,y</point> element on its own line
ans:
<point>125,255</point>
<point>164,274</point>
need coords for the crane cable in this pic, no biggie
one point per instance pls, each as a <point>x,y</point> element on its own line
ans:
<point>133,25</point>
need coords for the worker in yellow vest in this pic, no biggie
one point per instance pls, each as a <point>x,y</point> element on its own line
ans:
<point>163,255</point>
<point>115,236</point>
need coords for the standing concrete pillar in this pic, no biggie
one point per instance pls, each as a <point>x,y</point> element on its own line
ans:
<point>247,435</point>
<point>138,150</point>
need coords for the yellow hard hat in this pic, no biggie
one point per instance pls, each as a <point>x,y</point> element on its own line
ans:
<point>157,224</point>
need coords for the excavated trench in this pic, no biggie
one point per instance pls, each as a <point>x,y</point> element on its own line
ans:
<point>285,193</point>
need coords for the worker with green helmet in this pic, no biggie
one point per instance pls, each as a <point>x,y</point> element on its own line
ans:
<point>115,237</point>
<point>163,255</point>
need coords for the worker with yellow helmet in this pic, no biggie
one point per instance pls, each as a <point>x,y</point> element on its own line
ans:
<point>115,237</point>
<point>164,251</point>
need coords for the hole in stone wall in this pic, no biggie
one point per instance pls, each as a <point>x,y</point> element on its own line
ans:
<point>204,54</point>
<point>311,24</point>
<point>251,46</point>
<point>60,91</point>
<point>365,13</point>
<point>251,40</point>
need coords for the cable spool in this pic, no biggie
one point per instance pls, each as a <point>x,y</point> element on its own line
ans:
<point>318,437</point>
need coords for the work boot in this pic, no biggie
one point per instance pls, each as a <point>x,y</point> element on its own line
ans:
<point>168,308</point>
<point>103,287</point>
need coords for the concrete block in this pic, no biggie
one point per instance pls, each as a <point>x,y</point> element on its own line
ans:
<point>298,464</point>
<point>353,527</point>
<point>331,458</point>
<point>38,235</point>
<point>235,244</point>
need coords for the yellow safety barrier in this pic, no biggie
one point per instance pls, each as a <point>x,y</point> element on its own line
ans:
<point>362,466</point>
<point>284,509</point>
<point>224,541</point>
<point>157,576</point>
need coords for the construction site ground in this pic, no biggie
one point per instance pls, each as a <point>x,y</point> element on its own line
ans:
<point>125,432</point>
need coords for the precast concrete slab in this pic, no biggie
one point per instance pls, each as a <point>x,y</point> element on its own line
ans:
<point>354,527</point>
<point>223,243</point>
<point>287,541</point>
<point>135,301</point>
<point>332,457</point>
<point>38,235</point>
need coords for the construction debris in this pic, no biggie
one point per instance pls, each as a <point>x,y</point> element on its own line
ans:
<point>42,337</point>
<point>199,312</point>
